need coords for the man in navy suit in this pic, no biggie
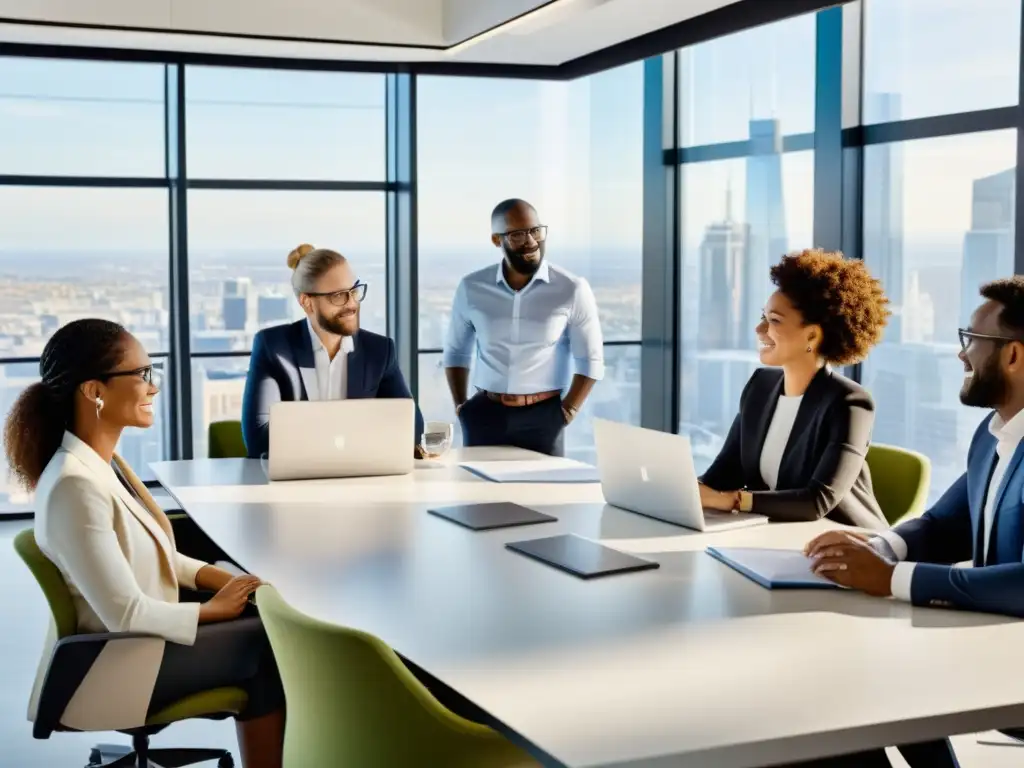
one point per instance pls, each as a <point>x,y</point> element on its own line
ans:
<point>323,357</point>
<point>979,519</point>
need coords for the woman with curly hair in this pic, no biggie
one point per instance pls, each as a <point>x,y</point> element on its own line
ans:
<point>796,450</point>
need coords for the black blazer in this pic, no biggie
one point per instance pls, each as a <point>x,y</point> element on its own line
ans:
<point>824,471</point>
<point>283,355</point>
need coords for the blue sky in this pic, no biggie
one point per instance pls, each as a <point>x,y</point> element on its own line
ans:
<point>574,149</point>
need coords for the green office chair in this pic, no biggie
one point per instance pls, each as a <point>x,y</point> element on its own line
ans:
<point>900,479</point>
<point>224,440</point>
<point>73,657</point>
<point>352,702</point>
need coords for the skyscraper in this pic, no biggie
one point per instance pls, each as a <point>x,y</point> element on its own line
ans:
<point>722,282</point>
<point>235,303</point>
<point>988,246</point>
<point>235,310</point>
<point>271,310</point>
<point>883,213</point>
<point>765,216</point>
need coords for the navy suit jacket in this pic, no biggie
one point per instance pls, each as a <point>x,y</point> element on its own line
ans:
<point>953,531</point>
<point>283,355</point>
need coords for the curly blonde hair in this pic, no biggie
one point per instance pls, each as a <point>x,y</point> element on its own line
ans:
<point>838,294</point>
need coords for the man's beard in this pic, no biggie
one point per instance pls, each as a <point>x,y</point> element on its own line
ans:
<point>520,264</point>
<point>987,387</point>
<point>335,325</point>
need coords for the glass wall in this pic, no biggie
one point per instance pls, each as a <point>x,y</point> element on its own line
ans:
<point>746,116</point>
<point>575,151</point>
<point>274,151</point>
<point>938,211</point>
<point>70,248</point>
<point>938,57</point>
<point>275,157</point>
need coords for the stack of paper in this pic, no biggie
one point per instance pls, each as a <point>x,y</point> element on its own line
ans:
<point>553,470</point>
<point>773,568</point>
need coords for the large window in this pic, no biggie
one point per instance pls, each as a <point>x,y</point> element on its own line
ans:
<point>939,205</point>
<point>763,73</point>
<point>239,281</point>
<point>238,245</point>
<point>277,171</point>
<point>267,124</point>
<point>739,214</point>
<point>73,252</point>
<point>921,184</point>
<point>574,150</point>
<point>933,57</point>
<point>81,118</point>
<point>938,223</point>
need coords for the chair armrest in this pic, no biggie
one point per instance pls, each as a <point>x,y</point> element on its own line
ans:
<point>71,661</point>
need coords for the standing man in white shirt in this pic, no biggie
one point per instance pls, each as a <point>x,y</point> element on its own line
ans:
<point>981,517</point>
<point>528,324</point>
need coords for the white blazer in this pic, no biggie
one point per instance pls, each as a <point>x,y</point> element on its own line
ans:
<point>119,560</point>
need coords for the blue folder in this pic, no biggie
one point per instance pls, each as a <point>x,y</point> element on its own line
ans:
<point>772,568</point>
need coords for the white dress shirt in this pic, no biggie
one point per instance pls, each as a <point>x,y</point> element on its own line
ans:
<point>1008,435</point>
<point>524,340</point>
<point>331,375</point>
<point>777,437</point>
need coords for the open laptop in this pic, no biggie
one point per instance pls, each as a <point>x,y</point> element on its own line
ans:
<point>341,438</point>
<point>651,473</point>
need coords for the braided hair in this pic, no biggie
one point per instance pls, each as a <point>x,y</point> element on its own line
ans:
<point>78,352</point>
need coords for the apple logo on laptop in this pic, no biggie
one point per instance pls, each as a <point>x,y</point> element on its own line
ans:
<point>339,442</point>
<point>643,475</point>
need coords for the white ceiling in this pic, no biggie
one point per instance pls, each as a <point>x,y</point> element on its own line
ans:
<point>545,33</point>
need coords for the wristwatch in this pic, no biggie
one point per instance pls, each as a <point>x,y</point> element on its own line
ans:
<point>743,501</point>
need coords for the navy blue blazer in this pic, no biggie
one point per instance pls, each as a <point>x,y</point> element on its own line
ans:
<point>952,531</point>
<point>283,355</point>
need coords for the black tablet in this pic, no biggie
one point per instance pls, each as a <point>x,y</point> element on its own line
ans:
<point>580,557</point>
<point>485,517</point>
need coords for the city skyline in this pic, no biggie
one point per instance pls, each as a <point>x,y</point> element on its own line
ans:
<point>935,211</point>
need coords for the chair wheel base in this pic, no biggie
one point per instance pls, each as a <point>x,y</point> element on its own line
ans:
<point>104,755</point>
<point>117,756</point>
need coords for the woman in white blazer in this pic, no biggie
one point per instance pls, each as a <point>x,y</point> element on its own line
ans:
<point>115,547</point>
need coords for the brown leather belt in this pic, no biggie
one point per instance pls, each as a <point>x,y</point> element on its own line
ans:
<point>517,401</point>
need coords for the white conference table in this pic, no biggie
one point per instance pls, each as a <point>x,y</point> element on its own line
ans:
<point>690,664</point>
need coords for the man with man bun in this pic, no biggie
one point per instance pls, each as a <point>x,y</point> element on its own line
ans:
<point>325,356</point>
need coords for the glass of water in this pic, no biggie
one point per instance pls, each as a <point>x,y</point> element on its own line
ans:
<point>437,439</point>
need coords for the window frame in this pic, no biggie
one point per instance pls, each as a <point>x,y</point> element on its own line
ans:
<point>839,139</point>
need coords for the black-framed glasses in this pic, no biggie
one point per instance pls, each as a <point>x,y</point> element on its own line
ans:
<point>517,237</point>
<point>149,374</point>
<point>967,336</point>
<point>341,298</point>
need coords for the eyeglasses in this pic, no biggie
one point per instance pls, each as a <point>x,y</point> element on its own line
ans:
<point>967,336</point>
<point>341,298</point>
<point>148,374</point>
<point>517,237</point>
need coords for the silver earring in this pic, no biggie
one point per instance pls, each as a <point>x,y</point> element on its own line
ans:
<point>99,406</point>
<point>809,348</point>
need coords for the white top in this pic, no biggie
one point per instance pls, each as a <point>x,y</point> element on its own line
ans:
<point>540,650</point>
<point>525,340</point>
<point>777,437</point>
<point>1007,434</point>
<point>331,375</point>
